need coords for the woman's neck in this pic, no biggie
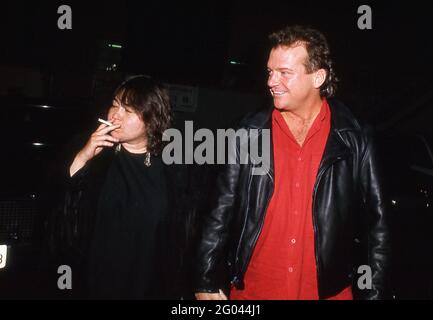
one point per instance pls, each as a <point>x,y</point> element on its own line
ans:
<point>135,147</point>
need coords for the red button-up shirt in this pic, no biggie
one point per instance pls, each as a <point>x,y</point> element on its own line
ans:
<point>283,263</point>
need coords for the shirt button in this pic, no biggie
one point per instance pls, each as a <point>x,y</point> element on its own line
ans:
<point>296,212</point>
<point>299,159</point>
<point>297,185</point>
<point>293,241</point>
<point>290,269</point>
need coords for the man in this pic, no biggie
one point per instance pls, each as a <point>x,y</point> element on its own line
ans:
<point>303,230</point>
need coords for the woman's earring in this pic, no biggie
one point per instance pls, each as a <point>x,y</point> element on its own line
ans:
<point>147,159</point>
<point>118,148</point>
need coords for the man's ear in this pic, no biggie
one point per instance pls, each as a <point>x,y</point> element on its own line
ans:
<point>319,78</point>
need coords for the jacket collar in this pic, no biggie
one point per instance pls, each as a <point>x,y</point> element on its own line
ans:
<point>336,148</point>
<point>341,118</point>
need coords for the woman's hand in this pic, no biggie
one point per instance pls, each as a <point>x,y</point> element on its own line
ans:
<point>98,140</point>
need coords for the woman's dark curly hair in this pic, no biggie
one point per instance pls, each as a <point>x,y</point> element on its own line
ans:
<point>319,55</point>
<point>151,101</point>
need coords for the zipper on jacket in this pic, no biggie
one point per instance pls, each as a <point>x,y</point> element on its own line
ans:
<point>243,268</point>
<point>316,232</point>
<point>250,179</point>
<point>257,235</point>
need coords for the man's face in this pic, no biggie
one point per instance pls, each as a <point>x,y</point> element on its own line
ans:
<point>290,86</point>
<point>132,128</point>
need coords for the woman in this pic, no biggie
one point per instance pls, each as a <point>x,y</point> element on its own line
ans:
<point>120,179</point>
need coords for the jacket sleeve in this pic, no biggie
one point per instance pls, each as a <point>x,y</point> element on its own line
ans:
<point>211,253</point>
<point>78,180</point>
<point>64,220</point>
<point>379,247</point>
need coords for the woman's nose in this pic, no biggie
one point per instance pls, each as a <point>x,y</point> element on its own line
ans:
<point>117,114</point>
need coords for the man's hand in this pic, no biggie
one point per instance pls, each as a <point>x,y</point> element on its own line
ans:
<point>211,296</point>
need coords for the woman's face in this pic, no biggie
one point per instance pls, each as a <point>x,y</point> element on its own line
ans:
<point>132,129</point>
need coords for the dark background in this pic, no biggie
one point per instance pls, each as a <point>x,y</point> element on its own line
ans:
<point>385,77</point>
<point>383,70</point>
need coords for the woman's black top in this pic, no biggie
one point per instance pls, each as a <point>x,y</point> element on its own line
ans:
<point>128,249</point>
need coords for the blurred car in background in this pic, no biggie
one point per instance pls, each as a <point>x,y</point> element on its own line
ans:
<point>408,160</point>
<point>34,137</point>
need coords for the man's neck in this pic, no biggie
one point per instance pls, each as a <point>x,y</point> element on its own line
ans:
<point>303,115</point>
<point>300,120</point>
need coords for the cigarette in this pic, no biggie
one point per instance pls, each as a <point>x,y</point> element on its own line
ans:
<point>105,122</point>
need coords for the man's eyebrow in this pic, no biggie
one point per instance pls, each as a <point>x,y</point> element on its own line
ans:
<point>284,69</point>
<point>281,69</point>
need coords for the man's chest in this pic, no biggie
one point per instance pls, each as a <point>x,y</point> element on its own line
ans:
<point>299,131</point>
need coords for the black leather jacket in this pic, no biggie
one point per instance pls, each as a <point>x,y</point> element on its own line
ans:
<point>349,214</point>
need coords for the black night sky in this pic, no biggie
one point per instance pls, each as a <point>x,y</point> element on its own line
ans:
<point>386,68</point>
<point>192,42</point>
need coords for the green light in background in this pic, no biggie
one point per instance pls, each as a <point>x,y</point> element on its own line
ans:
<point>237,63</point>
<point>116,46</point>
